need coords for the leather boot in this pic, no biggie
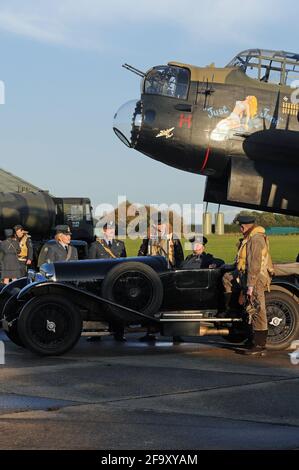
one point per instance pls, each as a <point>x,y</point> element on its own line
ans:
<point>227,299</point>
<point>259,347</point>
<point>148,338</point>
<point>249,341</point>
<point>177,339</point>
<point>231,303</point>
<point>119,335</point>
<point>93,339</point>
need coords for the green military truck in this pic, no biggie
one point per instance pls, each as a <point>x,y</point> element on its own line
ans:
<point>39,213</point>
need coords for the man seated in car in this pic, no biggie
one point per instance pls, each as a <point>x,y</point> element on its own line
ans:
<point>199,259</point>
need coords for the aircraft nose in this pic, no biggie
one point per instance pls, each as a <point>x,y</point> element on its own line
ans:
<point>127,122</point>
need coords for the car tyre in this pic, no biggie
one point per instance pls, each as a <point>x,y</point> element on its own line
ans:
<point>283,319</point>
<point>134,285</point>
<point>49,325</point>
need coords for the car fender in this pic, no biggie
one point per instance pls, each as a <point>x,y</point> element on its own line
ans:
<point>28,290</point>
<point>287,287</point>
<point>38,288</point>
<point>78,296</point>
<point>10,290</point>
<point>14,286</point>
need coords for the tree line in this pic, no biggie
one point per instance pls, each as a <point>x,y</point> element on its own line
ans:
<point>266,219</point>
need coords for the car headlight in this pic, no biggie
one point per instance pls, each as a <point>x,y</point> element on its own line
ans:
<point>47,270</point>
<point>39,277</point>
<point>31,275</point>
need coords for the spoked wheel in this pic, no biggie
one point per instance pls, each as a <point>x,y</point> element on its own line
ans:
<point>133,285</point>
<point>283,320</point>
<point>49,325</point>
<point>133,289</point>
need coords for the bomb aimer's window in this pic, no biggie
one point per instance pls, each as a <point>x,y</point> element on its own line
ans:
<point>167,81</point>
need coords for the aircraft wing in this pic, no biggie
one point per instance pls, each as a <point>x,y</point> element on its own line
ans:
<point>257,185</point>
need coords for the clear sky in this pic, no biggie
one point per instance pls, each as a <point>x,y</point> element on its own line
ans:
<point>61,65</point>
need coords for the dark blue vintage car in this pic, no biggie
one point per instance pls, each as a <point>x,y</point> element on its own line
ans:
<point>45,311</point>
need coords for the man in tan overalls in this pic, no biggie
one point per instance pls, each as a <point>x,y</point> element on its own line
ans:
<point>253,273</point>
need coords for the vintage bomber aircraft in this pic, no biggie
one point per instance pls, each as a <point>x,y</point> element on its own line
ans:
<point>237,125</point>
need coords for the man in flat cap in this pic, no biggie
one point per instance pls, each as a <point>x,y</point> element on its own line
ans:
<point>108,246</point>
<point>61,250</point>
<point>199,259</point>
<point>252,275</point>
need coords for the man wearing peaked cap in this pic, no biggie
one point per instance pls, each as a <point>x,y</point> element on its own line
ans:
<point>199,239</point>
<point>252,277</point>
<point>107,246</point>
<point>8,232</point>
<point>244,219</point>
<point>109,225</point>
<point>61,249</point>
<point>63,229</point>
<point>199,259</point>
<point>104,248</point>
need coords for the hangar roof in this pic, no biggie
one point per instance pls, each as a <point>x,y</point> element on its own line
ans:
<point>12,183</point>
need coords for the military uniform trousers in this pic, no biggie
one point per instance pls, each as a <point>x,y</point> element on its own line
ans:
<point>233,283</point>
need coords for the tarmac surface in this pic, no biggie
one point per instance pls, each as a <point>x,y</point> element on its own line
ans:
<point>108,395</point>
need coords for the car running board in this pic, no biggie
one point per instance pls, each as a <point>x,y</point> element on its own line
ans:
<point>195,316</point>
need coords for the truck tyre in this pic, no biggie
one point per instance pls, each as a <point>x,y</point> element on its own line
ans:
<point>134,285</point>
<point>283,319</point>
<point>49,325</point>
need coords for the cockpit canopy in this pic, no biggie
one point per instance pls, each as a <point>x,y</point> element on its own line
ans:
<point>167,80</point>
<point>276,67</point>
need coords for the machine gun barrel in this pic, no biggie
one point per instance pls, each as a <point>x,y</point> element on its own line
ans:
<point>134,70</point>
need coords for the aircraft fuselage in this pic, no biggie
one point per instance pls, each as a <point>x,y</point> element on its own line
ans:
<point>240,132</point>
